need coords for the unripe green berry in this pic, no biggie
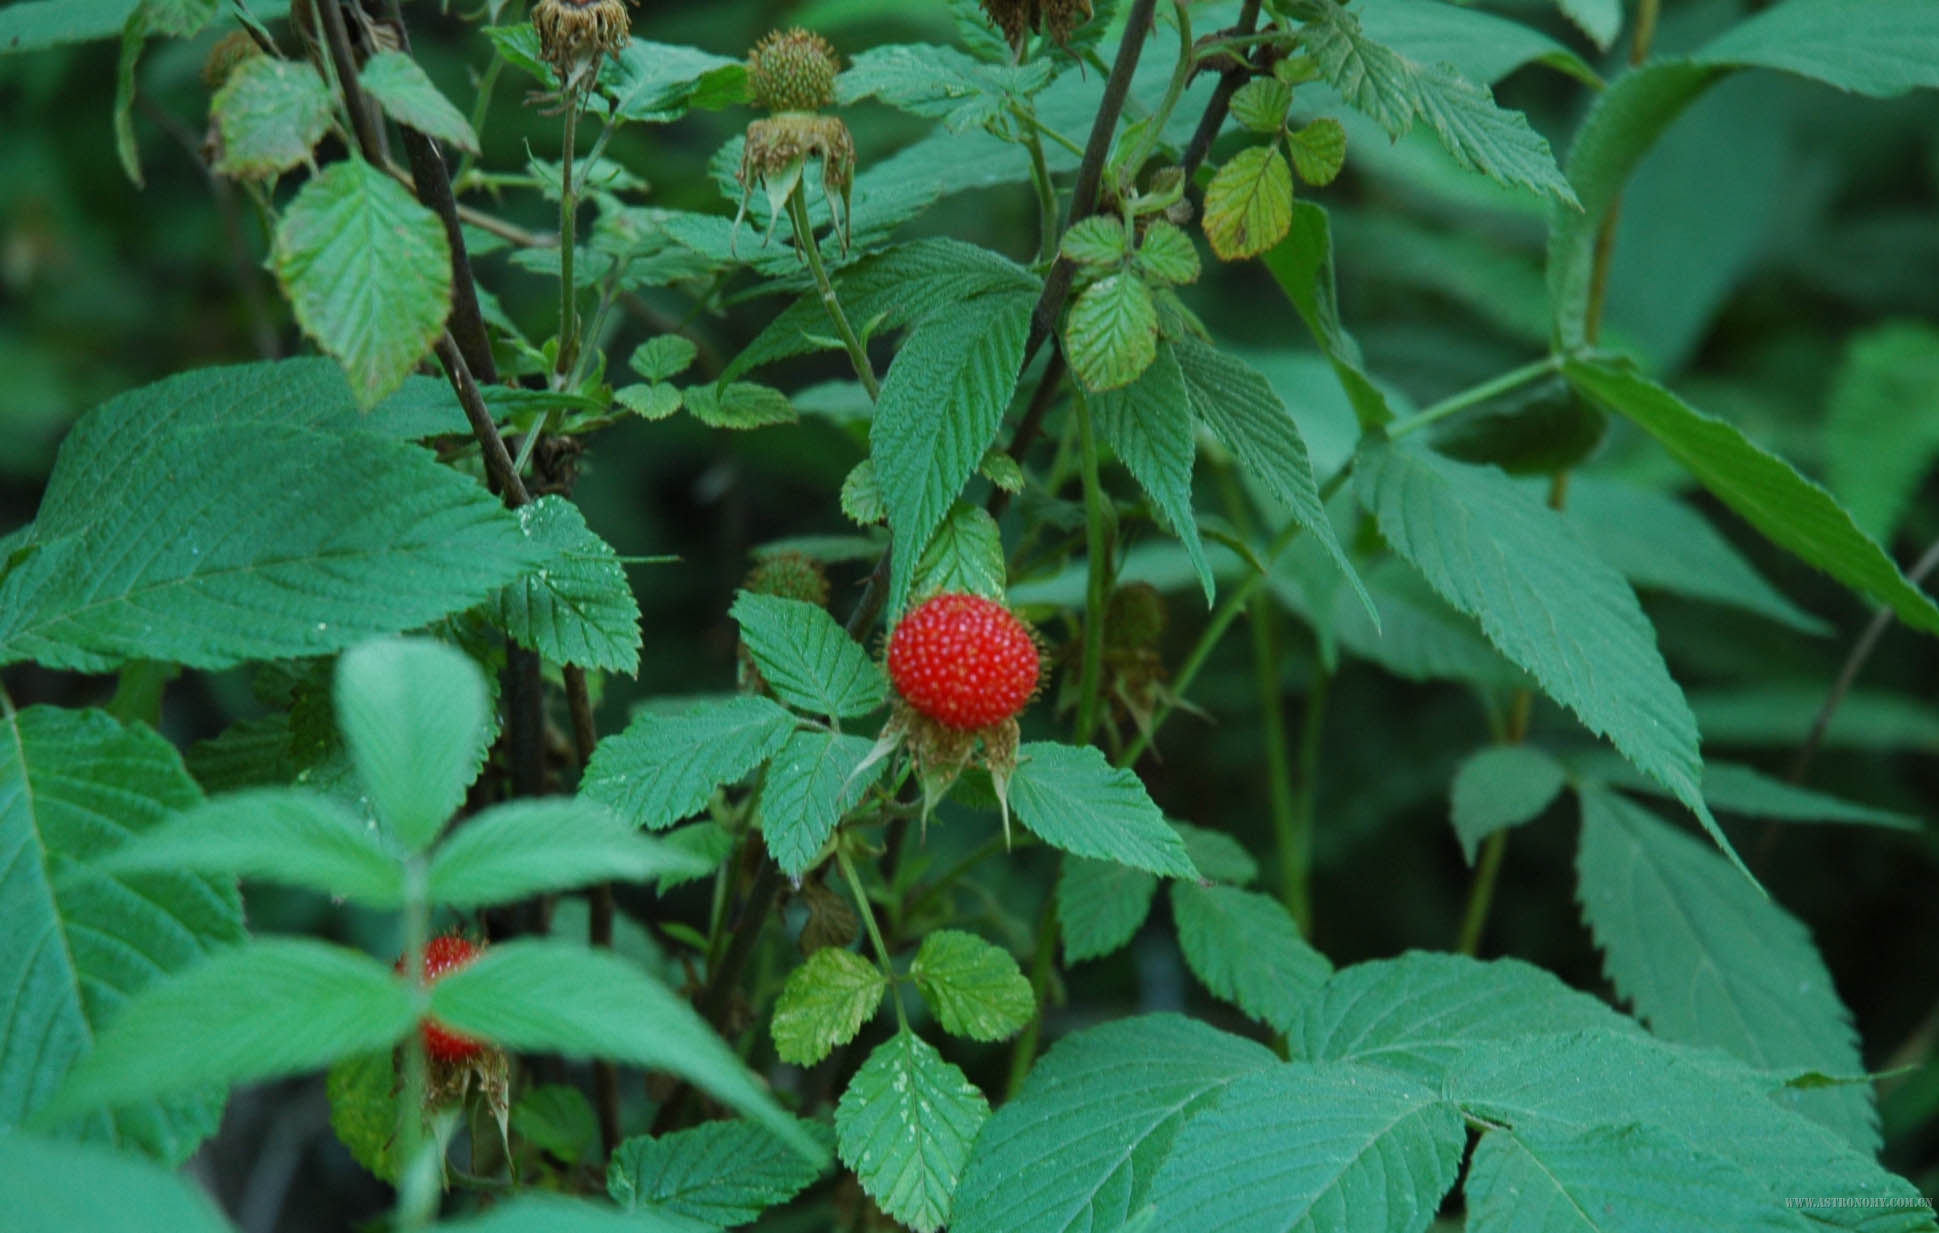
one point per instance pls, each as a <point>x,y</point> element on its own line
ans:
<point>790,575</point>
<point>792,70</point>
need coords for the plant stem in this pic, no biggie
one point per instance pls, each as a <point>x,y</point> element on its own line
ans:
<point>370,138</point>
<point>498,460</point>
<point>417,1190</point>
<point>1181,76</point>
<point>1048,236</point>
<point>867,910</point>
<point>1495,387</point>
<point>568,356</point>
<point>1024,1053</point>
<point>1605,250</point>
<point>858,356</point>
<point>1296,857</point>
<point>1215,110</point>
<point>1097,537</point>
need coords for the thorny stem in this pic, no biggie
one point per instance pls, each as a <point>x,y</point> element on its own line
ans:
<point>867,910</point>
<point>1097,536</point>
<point>858,356</point>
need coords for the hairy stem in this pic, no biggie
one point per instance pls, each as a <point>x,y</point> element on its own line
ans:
<point>867,910</point>
<point>858,356</point>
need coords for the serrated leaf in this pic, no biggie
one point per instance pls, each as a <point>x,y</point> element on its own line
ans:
<point>270,113</point>
<point>861,497</point>
<point>401,88</point>
<point>1218,855</point>
<point>1881,427</point>
<point>1420,637</point>
<point>1245,413</point>
<point>557,997</point>
<point>1001,470</point>
<point>1249,203</point>
<point>825,1002</point>
<point>1099,241</point>
<point>1708,960</point>
<point>1111,335</point>
<point>367,271</point>
<point>1733,788</point>
<point>1074,800</point>
<point>740,405</point>
<point>54,1185</point>
<point>158,539</point>
<point>522,848</point>
<point>722,1173</point>
<point>1657,541</point>
<point>576,607</point>
<point>1494,551</point>
<point>806,658</point>
<point>1148,425</point>
<point>1247,950</point>
<point>813,780</point>
<point>663,768</point>
<point>272,1007</point>
<point>905,1125</point>
<point>1260,104</point>
<point>974,987</point>
<point>663,356</point>
<point>1077,1147</point>
<point>252,753</point>
<point>1323,1146</point>
<point>649,402</point>
<point>1101,905</point>
<point>966,554</point>
<point>413,715</point>
<point>74,787</point>
<point>1499,787</point>
<point>941,405</point>
<point>1167,255</point>
<point>1794,513</point>
<point>285,835</point>
<point>1319,151</point>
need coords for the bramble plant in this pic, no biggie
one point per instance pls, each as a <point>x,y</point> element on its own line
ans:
<point>844,918</point>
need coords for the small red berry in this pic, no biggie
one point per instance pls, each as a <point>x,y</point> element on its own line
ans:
<point>443,955</point>
<point>964,661</point>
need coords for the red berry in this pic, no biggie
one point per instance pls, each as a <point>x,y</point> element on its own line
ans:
<point>964,661</point>
<point>442,955</point>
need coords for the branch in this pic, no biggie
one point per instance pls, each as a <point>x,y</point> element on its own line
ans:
<point>1214,118</point>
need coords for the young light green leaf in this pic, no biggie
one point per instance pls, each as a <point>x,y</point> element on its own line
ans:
<point>1247,950</point>
<point>1261,104</point>
<point>1101,905</point>
<point>1494,551</point>
<point>1096,241</point>
<point>1319,151</point>
<point>966,554</point>
<point>1167,256</point>
<point>1073,799</point>
<point>739,405</point>
<point>663,768</point>
<point>1001,470</point>
<point>974,987</point>
<point>576,607</point>
<point>720,1173</point>
<point>1246,414</point>
<point>271,1007</point>
<point>75,786</point>
<point>270,113</point>
<point>1078,1146</point>
<point>813,780</point>
<point>1111,335</point>
<point>54,1185</point>
<point>1796,514</point>
<point>1249,203</point>
<point>1499,787</point>
<point>1707,960</point>
<point>325,534</point>
<point>825,1002</point>
<point>941,406</point>
<point>649,402</point>
<point>558,997</point>
<point>1882,426</point>
<point>861,496</point>
<point>523,848</point>
<point>1325,1146</point>
<point>663,357</point>
<point>905,1126</point>
<point>807,659</point>
<point>401,88</point>
<point>368,273</point>
<point>1148,425</point>
<point>286,835</point>
<point>413,713</point>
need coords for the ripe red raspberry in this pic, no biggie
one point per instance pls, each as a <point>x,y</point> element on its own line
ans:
<point>442,955</point>
<point>964,661</point>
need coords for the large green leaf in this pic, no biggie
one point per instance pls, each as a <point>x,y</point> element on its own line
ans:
<point>414,715</point>
<point>1073,799</point>
<point>1148,425</point>
<point>1882,427</point>
<point>1100,905</point>
<point>1734,788</point>
<point>368,271</point>
<point>1880,48</point>
<point>807,659</point>
<point>244,513</point>
<point>48,1186</point>
<point>974,986</point>
<point>1248,950</point>
<point>905,1125</point>
<point>1493,550</point>
<point>825,1002</point>
<point>940,82</point>
<point>33,25</point>
<point>523,848</point>
<point>576,607</point>
<point>813,780</point>
<point>1307,1147</point>
<point>1708,960</point>
<point>940,409</point>
<point>1076,1149</point>
<point>272,1007</point>
<point>1794,513</point>
<point>270,113</point>
<point>663,768</point>
<point>74,787</point>
<point>723,1173</point>
<point>408,96</point>
<point>557,997</point>
<point>1479,44</point>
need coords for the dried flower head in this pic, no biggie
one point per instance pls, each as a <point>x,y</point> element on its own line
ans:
<point>1057,18</point>
<point>575,34</point>
<point>792,70</point>
<point>778,151</point>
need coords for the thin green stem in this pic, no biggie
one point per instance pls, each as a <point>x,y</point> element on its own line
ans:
<point>480,108</point>
<point>867,910</point>
<point>420,1178</point>
<point>1494,387</point>
<point>1097,593</point>
<point>1296,857</point>
<point>804,235</point>
<point>1047,213</point>
<point>1181,76</point>
<point>568,355</point>
<point>1024,1053</point>
<point>1481,895</point>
